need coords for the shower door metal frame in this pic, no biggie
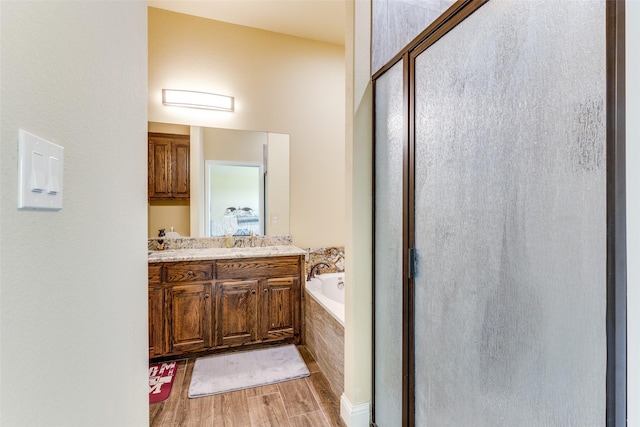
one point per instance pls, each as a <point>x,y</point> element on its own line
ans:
<point>616,332</point>
<point>616,217</point>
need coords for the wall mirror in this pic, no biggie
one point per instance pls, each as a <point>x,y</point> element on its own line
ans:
<point>239,183</point>
<point>234,198</point>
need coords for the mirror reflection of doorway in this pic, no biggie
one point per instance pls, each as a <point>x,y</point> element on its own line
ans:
<point>234,196</point>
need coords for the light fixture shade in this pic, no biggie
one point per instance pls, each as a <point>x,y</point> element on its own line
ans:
<point>187,98</point>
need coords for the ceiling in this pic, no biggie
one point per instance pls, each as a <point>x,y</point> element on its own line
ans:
<point>322,20</point>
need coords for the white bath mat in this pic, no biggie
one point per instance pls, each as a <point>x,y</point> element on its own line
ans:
<point>235,371</point>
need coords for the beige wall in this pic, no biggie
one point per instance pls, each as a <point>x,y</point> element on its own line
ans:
<point>359,191</point>
<point>278,186</point>
<point>168,128</point>
<point>166,214</point>
<point>233,145</point>
<point>281,84</point>
<point>73,294</point>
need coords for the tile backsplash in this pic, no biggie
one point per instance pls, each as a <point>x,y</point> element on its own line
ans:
<point>334,256</point>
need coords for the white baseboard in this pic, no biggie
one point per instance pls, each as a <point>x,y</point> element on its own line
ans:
<point>354,416</point>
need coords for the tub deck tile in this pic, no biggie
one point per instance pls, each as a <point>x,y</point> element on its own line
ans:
<point>324,338</point>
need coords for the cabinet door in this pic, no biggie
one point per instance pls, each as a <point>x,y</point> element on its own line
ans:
<point>236,320</point>
<point>180,170</point>
<point>279,308</point>
<point>168,166</point>
<point>189,317</point>
<point>159,168</point>
<point>155,322</point>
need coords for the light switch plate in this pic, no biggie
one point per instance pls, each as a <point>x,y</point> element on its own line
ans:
<point>40,173</point>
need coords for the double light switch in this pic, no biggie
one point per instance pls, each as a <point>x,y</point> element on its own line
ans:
<point>40,180</point>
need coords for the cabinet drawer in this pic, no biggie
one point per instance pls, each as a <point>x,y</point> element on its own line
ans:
<point>257,267</point>
<point>154,273</point>
<point>188,272</point>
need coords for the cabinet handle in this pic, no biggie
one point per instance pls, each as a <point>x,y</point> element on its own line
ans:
<point>190,273</point>
<point>265,291</point>
<point>253,292</point>
<point>206,296</point>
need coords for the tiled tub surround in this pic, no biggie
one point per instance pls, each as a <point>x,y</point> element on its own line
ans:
<point>217,242</point>
<point>326,290</point>
<point>323,334</point>
<point>324,338</point>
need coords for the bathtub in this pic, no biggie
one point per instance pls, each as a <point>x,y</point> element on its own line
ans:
<point>328,290</point>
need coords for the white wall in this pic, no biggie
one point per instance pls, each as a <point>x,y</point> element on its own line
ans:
<point>73,307</point>
<point>633,209</point>
<point>281,84</point>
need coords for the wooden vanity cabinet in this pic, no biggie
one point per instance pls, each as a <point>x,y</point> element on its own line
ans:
<point>278,293</point>
<point>168,170</point>
<point>188,317</point>
<point>156,322</point>
<point>187,306</point>
<point>206,305</point>
<point>280,308</point>
<point>236,316</point>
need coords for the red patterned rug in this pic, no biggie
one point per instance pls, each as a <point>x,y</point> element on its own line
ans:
<point>161,377</point>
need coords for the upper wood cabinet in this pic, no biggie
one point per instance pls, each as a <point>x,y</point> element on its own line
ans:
<point>168,166</point>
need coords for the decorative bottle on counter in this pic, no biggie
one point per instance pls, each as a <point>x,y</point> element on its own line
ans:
<point>228,241</point>
<point>160,245</point>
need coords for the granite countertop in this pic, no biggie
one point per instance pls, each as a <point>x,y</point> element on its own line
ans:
<point>170,255</point>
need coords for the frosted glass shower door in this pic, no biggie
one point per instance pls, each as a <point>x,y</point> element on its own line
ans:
<point>510,219</point>
<point>388,300</point>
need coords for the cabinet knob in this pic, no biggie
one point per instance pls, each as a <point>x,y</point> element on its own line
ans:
<point>190,273</point>
<point>206,296</point>
<point>253,292</point>
<point>265,291</point>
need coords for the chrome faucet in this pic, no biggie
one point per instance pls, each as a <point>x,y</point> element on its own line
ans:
<point>313,270</point>
<point>252,239</point>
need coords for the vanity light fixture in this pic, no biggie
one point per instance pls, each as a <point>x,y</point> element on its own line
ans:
<point>187,98</point>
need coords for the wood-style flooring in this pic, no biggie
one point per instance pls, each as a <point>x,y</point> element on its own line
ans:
<point>307,402</point>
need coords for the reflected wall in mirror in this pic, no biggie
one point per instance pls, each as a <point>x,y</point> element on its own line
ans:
<point>234,198</point>
<point>219,200</point>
